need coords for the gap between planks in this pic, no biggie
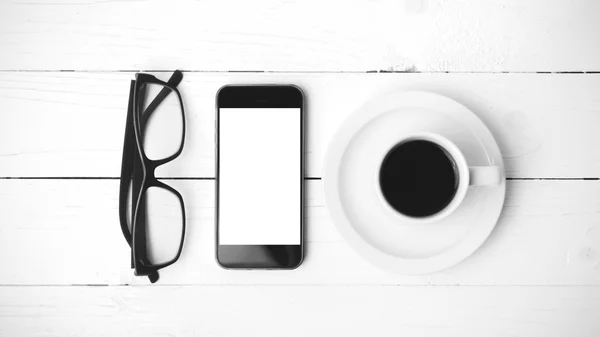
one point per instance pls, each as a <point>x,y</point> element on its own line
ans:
<point>377,71</point>
<point>213,178</point>
<point>332,285</point>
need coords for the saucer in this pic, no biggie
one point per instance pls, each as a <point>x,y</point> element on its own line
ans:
<point>375,230</point>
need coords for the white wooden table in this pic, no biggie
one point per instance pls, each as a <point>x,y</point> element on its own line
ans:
<point>529,69</point>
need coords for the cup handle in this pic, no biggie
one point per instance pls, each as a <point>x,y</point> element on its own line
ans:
<point>485,175</point>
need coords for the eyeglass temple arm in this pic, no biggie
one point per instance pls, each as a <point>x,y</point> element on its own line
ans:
<point>173,81</point>
<point>127,169</point>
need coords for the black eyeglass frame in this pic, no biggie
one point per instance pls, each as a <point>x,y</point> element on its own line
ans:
<point>138,169</point>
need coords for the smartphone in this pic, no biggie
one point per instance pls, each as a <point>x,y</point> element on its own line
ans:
<point>260,177</point>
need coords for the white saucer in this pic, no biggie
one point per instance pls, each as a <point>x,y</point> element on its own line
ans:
<point>372,228</point>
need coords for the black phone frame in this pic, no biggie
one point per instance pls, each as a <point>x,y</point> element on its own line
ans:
<point>259,256</point>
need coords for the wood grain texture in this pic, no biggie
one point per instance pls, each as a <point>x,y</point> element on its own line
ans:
<point>275,35</point>
<point>72,124</point>
<point>67,232</point>
<point>300,311</point>
<point>537,275</point>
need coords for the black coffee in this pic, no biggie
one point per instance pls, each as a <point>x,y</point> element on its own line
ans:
<point>418,178</point>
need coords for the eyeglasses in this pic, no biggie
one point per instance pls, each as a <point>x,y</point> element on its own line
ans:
<point>154,223</point>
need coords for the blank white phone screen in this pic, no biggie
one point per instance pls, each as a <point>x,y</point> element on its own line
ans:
<point>259,176</point>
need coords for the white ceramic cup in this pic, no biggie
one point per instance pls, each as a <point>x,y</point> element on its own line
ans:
<point>467,176</point>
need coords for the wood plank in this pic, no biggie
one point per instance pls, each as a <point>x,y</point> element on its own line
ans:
<point>300,311</point>
<point>72,124</point>
<point>66,232</point>
<point>275,35</point>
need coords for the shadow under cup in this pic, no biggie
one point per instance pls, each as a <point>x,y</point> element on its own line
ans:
<point>418,178</point>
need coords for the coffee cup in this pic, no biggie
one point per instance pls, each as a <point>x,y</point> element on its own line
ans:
<point>425,177</point>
